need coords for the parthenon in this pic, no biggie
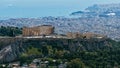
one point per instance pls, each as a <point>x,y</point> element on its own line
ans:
<point>38,31</point>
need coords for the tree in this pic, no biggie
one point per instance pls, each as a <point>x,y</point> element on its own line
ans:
<point>75,63</point>
<point>10,31</point>
<point>33,51</point>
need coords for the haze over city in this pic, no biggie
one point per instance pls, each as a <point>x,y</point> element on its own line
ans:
<point>42,8</point>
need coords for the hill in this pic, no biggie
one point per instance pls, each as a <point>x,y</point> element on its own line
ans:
<point>100,10</point>
<point>92,52</point>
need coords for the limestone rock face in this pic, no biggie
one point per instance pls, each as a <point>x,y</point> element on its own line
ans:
<point>12,48</point>
<point>10,52</point>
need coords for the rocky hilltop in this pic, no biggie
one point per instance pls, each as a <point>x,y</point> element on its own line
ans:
<point>94,53</point>
<point>12,48</point>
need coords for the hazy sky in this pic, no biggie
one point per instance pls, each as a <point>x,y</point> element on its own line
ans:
<point>39,8</point>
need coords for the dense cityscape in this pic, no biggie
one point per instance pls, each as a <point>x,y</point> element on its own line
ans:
<point>86,39</point>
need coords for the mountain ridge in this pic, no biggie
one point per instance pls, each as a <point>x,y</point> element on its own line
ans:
<point>101,10</point>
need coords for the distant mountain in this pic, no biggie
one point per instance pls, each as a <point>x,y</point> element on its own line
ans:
<point>103,10</point>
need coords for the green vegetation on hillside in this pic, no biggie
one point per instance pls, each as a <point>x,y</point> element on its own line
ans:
<point>10,31</point>
<point>105,55</point>
<point>75,63</point>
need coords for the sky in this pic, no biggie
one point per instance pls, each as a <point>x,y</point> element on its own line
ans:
<point>42,8</point>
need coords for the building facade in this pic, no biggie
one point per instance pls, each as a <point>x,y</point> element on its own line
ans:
<point>74,35</point>
<point>38,31</point>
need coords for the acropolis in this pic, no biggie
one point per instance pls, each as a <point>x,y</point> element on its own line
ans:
<point>38,31</point>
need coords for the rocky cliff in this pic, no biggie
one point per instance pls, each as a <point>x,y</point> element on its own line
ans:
<point>12,48</point>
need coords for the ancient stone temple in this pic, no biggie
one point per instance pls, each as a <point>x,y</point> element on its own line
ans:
<point>38,31</point>
<point>74,35</point>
